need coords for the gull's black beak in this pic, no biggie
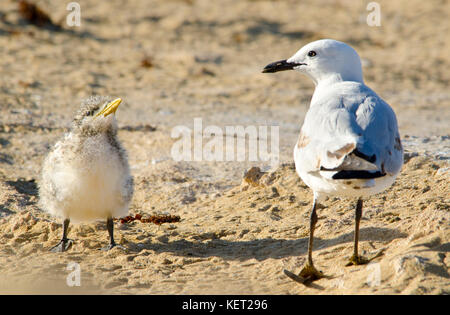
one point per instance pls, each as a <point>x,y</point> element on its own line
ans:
<point>281,65</point>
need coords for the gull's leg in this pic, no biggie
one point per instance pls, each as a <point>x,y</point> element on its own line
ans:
<point>356,259</point>
<point>65,243</point>
<point>110,228</point>
<point>309,272</point>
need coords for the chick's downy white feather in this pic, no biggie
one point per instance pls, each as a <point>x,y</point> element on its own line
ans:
<point>86,175</point>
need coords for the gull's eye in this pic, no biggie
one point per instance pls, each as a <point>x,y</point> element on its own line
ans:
<point>312,53</point>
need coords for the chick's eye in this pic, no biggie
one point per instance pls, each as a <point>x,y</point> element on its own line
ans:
<point>312,53</point>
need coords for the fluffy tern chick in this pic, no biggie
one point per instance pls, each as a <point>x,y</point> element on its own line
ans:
<point>86,176</point>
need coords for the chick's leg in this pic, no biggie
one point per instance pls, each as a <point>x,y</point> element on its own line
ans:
<point>110,228</point>
<point>65,243</point>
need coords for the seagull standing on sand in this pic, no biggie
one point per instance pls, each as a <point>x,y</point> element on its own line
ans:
<point>349,144</point>
<point>86,176</point>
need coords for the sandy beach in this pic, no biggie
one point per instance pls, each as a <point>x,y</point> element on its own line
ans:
<point>174,61</point>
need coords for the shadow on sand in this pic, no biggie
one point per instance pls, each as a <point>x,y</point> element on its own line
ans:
<point>260,249</point>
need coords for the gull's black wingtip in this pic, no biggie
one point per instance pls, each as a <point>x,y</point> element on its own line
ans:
<point>345,174</point>
<point>371,159</point>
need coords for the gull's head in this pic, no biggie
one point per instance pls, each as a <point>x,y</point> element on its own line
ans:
<point>97,115</point>
<point>321,60</point>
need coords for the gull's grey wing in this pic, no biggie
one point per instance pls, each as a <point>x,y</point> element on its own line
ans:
<point>351,129</point>
<point>380,133</point>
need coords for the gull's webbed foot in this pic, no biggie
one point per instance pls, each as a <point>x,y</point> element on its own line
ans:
<point>360,260</point>
<point>308,274</point>
<point>357,260</point>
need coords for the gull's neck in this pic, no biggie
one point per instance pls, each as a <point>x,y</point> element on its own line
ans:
<point>324,83</point>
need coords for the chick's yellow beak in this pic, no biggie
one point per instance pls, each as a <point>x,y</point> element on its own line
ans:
<point>110,108</point>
